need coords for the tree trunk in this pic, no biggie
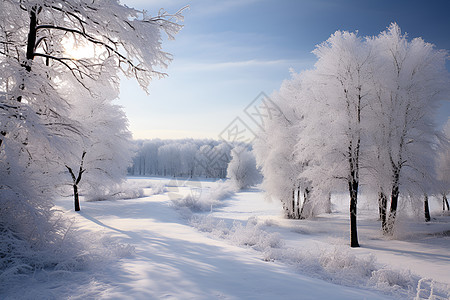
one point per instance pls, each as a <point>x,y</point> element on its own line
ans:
<point>382,202</point>
<point>76,180</point>
<point>292,207</point>
<point>380,210</point>
<point>426,209</point>
<point>445,202</point>
<point>394,202</point>
<point>353,188</point>
<point>31,44</point>
<point>304,204</point>
<point>76,198</point>
<point>328,208</point>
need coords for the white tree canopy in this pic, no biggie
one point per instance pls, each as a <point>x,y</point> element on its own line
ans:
<point>54,106</point>
<point>242,168</point>
<point>364,116</point>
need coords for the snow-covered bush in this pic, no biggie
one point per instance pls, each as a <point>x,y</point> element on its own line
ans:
<point>33,234</point>
<point>250,234</point>
<point>206,199</point>
<point>195,204</point>
<point>115,192</point>
<point>242,169</point>
<point>158,188</point>
<point>337,264</point>
<point>222,190</point>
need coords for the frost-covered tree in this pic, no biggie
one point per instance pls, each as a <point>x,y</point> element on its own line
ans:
<point>332,137</point>
<point>194,158</point>
<point>242,168</point>
<point>412,79</point>
<point>365,115</point>
<point>443,166</point>
<point>187,155</point>
<point>169,157</point>
<point>99,161</point>
<point>222,151</point>
<point>276,156</point>
<point>40,43</point>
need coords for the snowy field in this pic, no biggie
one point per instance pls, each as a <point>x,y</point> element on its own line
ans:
<point>199,240</point>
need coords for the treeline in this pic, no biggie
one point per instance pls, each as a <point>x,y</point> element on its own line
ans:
<point>181,158</point>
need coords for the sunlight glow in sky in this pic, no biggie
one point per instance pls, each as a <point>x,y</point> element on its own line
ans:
<point>78,51</point>
<point>229,51</point>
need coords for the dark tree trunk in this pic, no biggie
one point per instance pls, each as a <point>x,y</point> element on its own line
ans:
<point>426,209</point>
<point>394,202</point>
<point>382,202</point>
<point>31,47</point>
<point>445,202</point>
<point>76,198</point>
<point>380,212</point>
<point>292,212</point>
<point>76,180</point>
<point>31,41</point>
<point>353,188</point>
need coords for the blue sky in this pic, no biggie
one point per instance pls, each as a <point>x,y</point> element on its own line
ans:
<point>229,51</point>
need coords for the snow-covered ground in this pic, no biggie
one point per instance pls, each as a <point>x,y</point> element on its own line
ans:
<point>240,248</point>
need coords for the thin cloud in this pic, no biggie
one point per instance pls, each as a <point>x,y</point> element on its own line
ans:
<point>198,7</point>
<point>207,7</point>
<point>228,65</point>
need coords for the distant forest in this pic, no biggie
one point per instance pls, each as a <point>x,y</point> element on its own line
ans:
<point>181,158</point>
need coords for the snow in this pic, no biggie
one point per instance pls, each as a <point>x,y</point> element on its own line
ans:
<point>240,249</point>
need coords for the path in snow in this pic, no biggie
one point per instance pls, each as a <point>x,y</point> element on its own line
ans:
<point>174,261</point>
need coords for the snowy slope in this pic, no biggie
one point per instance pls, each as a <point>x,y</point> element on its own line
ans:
<point>174,260</point>
<point>420,247</point>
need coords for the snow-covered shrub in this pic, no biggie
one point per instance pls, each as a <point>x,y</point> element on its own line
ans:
<point>386,278</point>
<point>337,264</point>
<point>205,200</point>
<point>195,204</point>
<point>345,265</point>
<point>158,188</point>
<point>222,190</point>
<point>242,169</point>
<point>217,228</point>
<point>33,235</point>
<point>250,234</point>
<point>115,192</point>
<point>340,266</point>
